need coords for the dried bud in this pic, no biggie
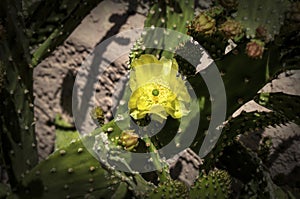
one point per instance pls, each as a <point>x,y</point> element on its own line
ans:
<point>204,24</point>
<point>232,29</point>
<point>262,33</point>
<point>255,49</point>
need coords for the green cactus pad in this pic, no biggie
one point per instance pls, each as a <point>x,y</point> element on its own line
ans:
<point>245,123</point>
<point>65,133</point>
<point>285,104</point>
<point>69,172</point>
<point>255,13</point>
<point>173,15</point>
<point>4,191</point>
<point>215,184</point>
<point>169,189</point>
<point>244,165</point>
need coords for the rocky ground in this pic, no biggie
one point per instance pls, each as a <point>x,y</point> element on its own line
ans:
<point>54,79</point>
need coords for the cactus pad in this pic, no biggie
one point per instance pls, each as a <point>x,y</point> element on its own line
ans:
<point>255,13</point>
<point>215,184</point>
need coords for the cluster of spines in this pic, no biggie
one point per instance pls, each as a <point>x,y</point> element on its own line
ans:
<point>169,189</point>
<point>214,184</point>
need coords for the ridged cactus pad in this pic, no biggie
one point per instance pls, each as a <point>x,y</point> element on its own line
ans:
<point>215,184</point>
<point>169,189</point>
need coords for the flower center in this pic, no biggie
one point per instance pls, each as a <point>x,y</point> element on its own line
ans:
<point>155,92</point>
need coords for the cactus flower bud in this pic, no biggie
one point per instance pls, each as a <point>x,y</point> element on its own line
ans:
<point>204,24</point>
<point>129,140</point>
<point>232,29</point>
<point>98,115</point>
<point>255,49</point>
<point>262,33</point>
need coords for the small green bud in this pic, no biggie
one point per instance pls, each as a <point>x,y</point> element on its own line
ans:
<point>129,139</point>
<point>203,23</point>
<point>98,115</point>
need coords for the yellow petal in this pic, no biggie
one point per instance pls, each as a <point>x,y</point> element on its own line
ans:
<point>150,74</point>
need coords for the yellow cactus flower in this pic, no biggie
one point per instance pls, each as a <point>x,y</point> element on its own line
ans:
<point>157,88</point>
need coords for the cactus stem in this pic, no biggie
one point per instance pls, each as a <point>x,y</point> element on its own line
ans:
<point>162,174</point>
<point>37,56</point>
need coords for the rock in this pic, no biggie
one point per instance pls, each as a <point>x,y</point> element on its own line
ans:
<point>185,166</point>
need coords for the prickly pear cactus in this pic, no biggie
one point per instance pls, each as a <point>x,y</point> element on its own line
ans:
<point>72,171</point>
